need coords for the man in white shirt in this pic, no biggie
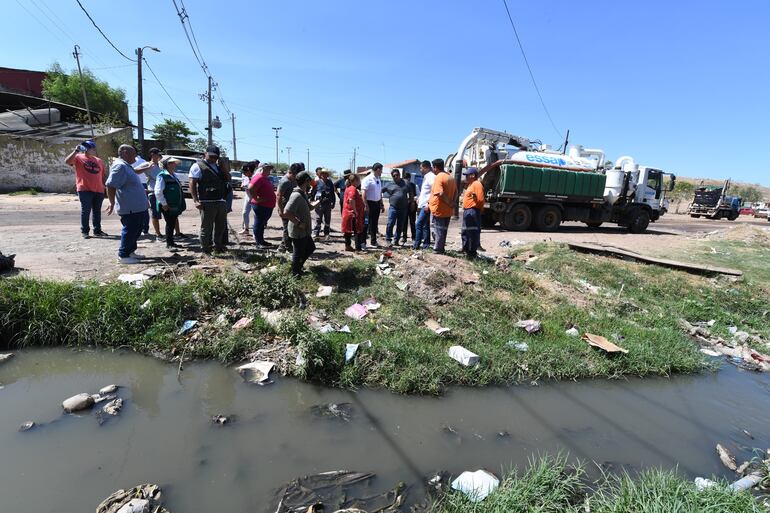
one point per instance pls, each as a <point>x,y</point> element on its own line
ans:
<point>371,186</point>
<point>422,238</point>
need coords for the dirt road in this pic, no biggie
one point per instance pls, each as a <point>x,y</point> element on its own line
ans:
<point>43,231</point>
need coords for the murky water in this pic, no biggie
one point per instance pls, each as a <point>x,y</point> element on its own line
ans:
<point>164,434</point>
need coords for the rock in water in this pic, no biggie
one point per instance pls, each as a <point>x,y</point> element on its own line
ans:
<point>77,403</point>
<point>728,460</point>
<point>139,499</point>
<point>109,389</point>
<point>4,357</point>
<point>136,506</point>
<point>113,407</point>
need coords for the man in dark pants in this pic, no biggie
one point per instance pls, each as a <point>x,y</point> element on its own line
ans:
<point>125,189</point>
<point>371,187</point>
<point>90,175</point>
<point>341,185</point>
<point>285,187</point>
<point>411,206</point>
<point>325,194</point>
<point>473,206</point>
<point>209,189</point>
<point>297,213</point>
<point>397,211</point>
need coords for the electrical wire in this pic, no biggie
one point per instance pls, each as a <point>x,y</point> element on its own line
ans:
<point>169,96</point>
<point>529,68</point>
<point>103,34</point>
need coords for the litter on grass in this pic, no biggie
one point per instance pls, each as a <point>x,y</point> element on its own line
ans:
<point>255,372</point>
<point>5,357</point>
<point>350,351</point>
<point>531,325</point>
<point>187,326</point>
<point>572,332</point>
<point>344,329</point>
<point>371,304</point>
<point>242,323</point>
<point>436,327</point>
<point>463,356</point>
<point>324,291</point>
<point>603,343</point>
<point>709,352</point>
<point>476,485</point>
<point>135,280</point>
<point>519,346</point>
<point>356,311</point>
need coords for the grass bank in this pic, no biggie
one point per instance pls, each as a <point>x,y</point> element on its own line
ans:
<point>549,485</point>
<point>635,305</point>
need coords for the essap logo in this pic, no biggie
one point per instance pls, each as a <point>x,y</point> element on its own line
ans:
<point>542,159</point>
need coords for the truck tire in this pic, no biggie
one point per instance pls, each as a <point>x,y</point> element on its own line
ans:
<point>594,224</point>
<point>732,216</point>
<point>518,219</point>
<point>487,220</point>
<point>638,221</point>
<point>547,218</point>
<point>696,216</point>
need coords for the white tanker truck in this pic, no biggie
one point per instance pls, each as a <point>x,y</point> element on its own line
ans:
<point>527,184</point>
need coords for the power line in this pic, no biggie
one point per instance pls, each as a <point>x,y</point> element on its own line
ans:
<point>531,75</point>
<point>103,34</point>
<point>169,96</point>
<point>182,17</point>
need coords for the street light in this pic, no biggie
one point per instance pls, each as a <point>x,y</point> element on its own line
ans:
<point>140,106</point>
<point>276,143</point>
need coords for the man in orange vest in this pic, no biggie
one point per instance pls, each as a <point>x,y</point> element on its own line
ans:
<point>473,207</point>
<point>443,196</point>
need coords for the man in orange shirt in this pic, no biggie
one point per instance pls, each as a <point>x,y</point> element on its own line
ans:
<point>90,175</point>
<point>473,206</point>
<point>443,196</point>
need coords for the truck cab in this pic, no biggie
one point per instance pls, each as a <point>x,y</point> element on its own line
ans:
<point>651,190</point>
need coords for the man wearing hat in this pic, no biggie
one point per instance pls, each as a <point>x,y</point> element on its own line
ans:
<point>473,206</point>
<point>209,189</point>
<point>90,175</point>
<point>371,187</point>
<point>325,197</point>
<point>398,209</point>
<point>341,185</point>
<point>297,213</point>
<point>151,170</point>
<point>169,197</point>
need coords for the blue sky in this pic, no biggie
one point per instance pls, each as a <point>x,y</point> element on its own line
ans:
<point>683,85</point>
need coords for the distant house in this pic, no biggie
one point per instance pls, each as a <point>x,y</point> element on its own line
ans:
<point>411,166</point>
<point>22,81</point>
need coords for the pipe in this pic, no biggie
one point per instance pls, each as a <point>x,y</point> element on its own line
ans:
<point>622,160</point>
<point>593,152</point>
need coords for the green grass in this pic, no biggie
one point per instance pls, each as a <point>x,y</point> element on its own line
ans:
<point>25,192</point>
<point>549,484</point>
<point>637,306</point>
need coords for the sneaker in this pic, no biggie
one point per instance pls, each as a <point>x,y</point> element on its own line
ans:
<point>328,238</point>
<point>135,255</point>
<point>85,235</point>
<point>243,232</point>
<point>128,260</point>
<point>100,233</point>
<point>180,236</point>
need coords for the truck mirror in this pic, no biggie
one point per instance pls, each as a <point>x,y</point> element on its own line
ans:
<point>672,183</point>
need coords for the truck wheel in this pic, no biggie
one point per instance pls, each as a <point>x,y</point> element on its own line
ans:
<point>548,218</point>
<point>696,216</point>
<point>487,220</point>
<point>518,219</point>
<point>594,224</point>
<point>732,216</point>
<point>638,221</point>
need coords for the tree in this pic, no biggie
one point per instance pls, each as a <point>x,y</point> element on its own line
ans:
<point>281,167</point>
<point>200,144</point>
<point>748,193</point>
<point>682,191</point>
<point>62,87</point>
<point>173,133</point>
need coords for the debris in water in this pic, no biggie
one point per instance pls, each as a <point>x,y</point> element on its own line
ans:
<point>139,499</point>
<point>256,372</point>
<point>531,325</point>
<point>748,434</point>
<point>27,425</point>
<point>436,327</point>
<point>78,402</point>
<point>4,357</point>
<point>99,398</point>
<point>243,322</point>
<point>603,343</point>
<point>710,352</point>
<point>476,485</point>
<point>222,419</point>
<point>187,326</point>
<point>324,291</point>
<point>357,311</point>
<point>463,356</point>
<point>503,434</point>
<point>350,351</point>
<point>109,389</point>
<point>727,459</point>
<point>341,411</point>
<point>113,407</point>
<point>519,346</point>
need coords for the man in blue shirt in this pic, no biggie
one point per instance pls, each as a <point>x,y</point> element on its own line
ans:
<point>125,189</point>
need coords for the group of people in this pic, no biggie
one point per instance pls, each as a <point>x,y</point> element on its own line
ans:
<point>299,197</point>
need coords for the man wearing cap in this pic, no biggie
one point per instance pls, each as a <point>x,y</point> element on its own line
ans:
<point>443,196</point>
<point>325,196</point>
<point>263,202</point>
<point>151,170</point>
<point>422,239</point>
<point>473,207</point>
<point>169,197</point>
<point>297,213</point>
<point>285,188</point>
<point>90,175</point>
<point>209,189</point>
<point>397,211</point>
<point>125,189</point>
<point>341,185</point>
<point>371,187</point>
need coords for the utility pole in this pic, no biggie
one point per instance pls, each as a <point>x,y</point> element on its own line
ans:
<point>140,97</point>
<point>211,129</point>
<point>83,89</point>
<point>288,155</point>
<point>235,152</point>
<point>354,160</point>
<point>276,143</point>
<point>308,158</point>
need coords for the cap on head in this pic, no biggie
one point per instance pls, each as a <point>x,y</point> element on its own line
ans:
<point>323,171</point>
<point>303,178</point>
<point>470,171</point>
<point>168,159</point>
<point>295,168</point>
<point>155,151</point>
<point>213,150</point>
<point>346,172</point>
<point>89,144</point>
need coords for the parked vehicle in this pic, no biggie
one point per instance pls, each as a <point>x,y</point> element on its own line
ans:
<point>746,211</point>
<point>528,184</point>
<point>713,202</point>
<point>236,178</point>
<point>761,212</point>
